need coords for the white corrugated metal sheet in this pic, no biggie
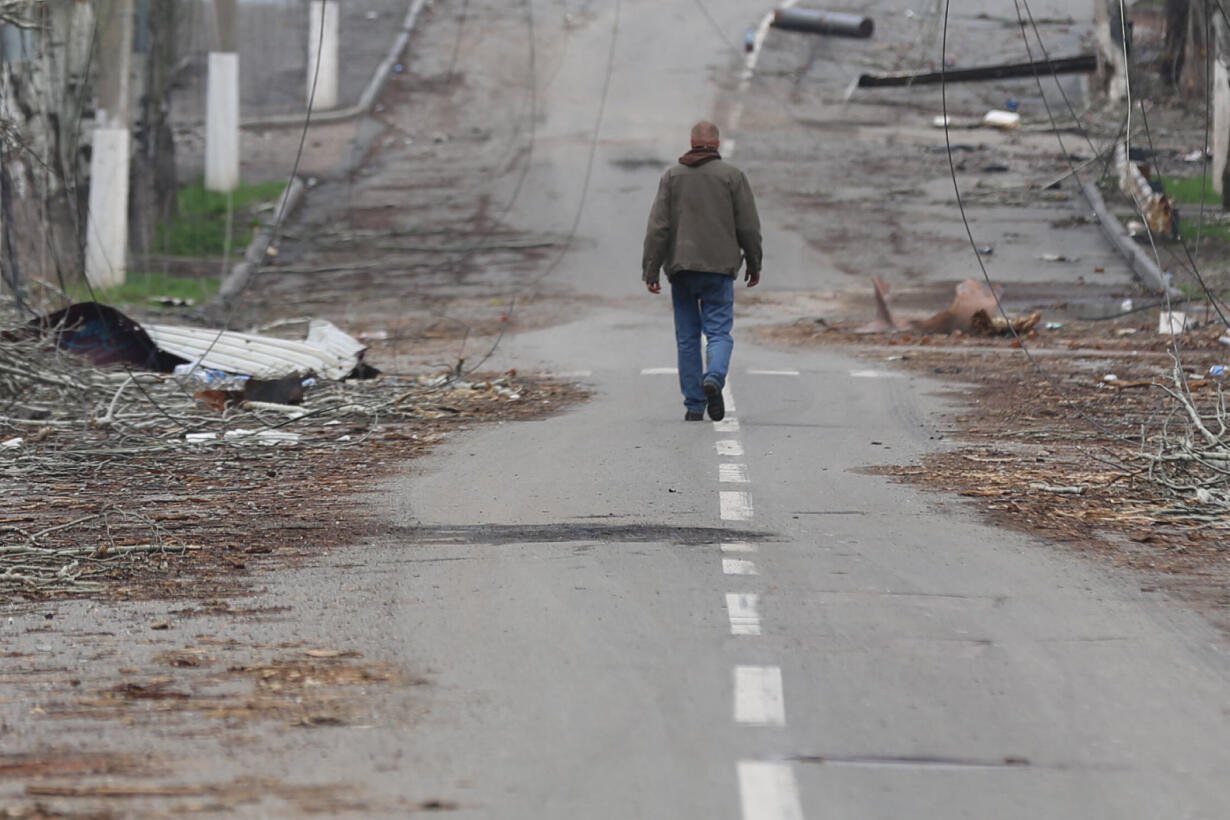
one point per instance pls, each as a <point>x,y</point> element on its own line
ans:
<point>328,352</point>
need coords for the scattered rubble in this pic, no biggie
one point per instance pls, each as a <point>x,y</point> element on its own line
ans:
<point>974,310</point>
<point>111,474</point>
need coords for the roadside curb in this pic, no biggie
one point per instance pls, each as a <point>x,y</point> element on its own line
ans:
<point>1139,262</point>
<point>367,99</point>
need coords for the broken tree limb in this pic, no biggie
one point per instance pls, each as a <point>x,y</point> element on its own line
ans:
<point>824,22</point>
<point>1083,64</point>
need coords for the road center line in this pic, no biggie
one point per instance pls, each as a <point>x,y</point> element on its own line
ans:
<point>758,696</point>
<point>738,546</point>
<point>768,791</point>
<point>874,374</point>
<point>736,505</point>
<point>730,473</point>
<point>744,611</point>
<point>738,566</point>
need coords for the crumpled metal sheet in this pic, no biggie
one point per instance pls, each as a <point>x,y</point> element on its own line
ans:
<point>328,352</point>
<point>106,336</point>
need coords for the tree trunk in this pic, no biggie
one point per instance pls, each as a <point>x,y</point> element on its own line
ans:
<point>1178,12</point>
<point>154,187</point>
<point>43,91</point>
<point>1194,81</point>
<point>9,264</point>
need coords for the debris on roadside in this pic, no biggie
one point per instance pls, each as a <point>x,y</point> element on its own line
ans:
<point>1007,120</point>
<point>1150,200</point>
<point>1082,64</point>
<point>1171,322</point>
<point>815,21</point>
<point>974,310</point>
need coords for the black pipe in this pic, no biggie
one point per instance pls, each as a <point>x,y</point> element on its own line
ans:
<point>1083,64</point>
<point>824,22</point>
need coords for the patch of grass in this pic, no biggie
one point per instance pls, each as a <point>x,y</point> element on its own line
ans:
<point>1208,233</point>
<point>200,229</point>
<point>139,287</point>
<point>1187,190</point>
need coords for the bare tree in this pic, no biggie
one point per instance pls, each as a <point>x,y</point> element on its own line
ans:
<point>44,94</point>
<point>1174,53</point>
<point>154,184</point>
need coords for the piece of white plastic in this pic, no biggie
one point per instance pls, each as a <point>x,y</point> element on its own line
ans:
<point>1171,322</point>
<point>996,118</point>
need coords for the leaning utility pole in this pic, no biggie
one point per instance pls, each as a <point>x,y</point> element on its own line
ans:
<point>107,222</point>
<point>222,103</point>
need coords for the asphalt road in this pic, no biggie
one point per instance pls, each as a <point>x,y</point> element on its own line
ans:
<point>629,616</point>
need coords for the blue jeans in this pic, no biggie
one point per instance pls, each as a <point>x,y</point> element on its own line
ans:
<point>704,302</point>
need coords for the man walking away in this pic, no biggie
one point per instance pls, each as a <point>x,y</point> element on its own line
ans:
<point>703,226</point>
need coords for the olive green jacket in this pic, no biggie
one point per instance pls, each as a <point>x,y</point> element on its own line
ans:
<point>703,219</point>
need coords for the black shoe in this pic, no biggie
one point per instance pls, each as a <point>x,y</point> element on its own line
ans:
<point>713,393</point>
<point>694,415</point>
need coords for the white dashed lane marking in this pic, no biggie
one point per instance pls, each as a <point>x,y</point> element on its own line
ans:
<point>660,371</point>
<point>744,611</point>
<point>738,566</point>
<point>758,696</point>
<point>736,505</point>
<point>738,546</point>
<point>726,425</point>
<point>732,473</point>
<point>874,374</point>
<point>768,791</point>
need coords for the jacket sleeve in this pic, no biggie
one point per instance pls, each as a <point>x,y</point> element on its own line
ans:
<point>657,233</point>
<point>747,224</point>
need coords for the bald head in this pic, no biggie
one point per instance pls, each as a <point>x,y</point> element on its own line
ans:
<point>705,135</point>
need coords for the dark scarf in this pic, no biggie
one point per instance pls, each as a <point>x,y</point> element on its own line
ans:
<point>699,155</point>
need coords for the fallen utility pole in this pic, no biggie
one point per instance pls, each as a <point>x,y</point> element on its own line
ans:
<point>1084,64</point>
<point>824,22</point>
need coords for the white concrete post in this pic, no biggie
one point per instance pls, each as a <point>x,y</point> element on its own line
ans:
<point>106,244</point>
<point>323,51</point>
<point>222,123</point>
<point>1220,94</point>
<point>222,104</point>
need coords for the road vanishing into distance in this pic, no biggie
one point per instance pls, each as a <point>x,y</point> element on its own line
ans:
<point>628,616</point>
<point>617,615</point>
